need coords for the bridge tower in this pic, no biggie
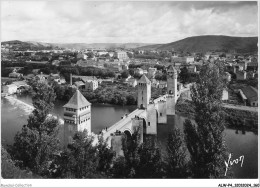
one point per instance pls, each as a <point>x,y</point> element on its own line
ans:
<point>144,92</point>
<point>171,90</point>
<point>172,81</point>
<point>77,116</point>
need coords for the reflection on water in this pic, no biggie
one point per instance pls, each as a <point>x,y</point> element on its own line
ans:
<point>14,115</point>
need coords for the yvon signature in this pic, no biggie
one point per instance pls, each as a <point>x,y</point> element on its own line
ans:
<point>235,161</point>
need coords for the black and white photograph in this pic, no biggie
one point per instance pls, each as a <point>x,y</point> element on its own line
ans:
<point>129,93</point>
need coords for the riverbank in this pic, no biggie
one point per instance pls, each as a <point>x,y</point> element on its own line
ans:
<point>235,118</point>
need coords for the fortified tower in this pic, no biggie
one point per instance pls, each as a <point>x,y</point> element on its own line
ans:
<point>77,116</point>
<point>144,92</point>
<point>172,81</point>
<point>171,90</point>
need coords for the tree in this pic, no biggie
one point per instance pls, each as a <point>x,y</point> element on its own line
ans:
<point>130,100</point>
<point>130,55</point>
<point>105,155</point>
<point>184,75</point>
<point>37,142</point>
<point>90,55</point>
<point>205,141</point>
<point>139,160</point>
<point>150,161</point>
<point>131,72</point>
<point>69,91</point>
<point>176,160</point>
<point>110,74</point>
<point>5,72</point>
<point>27,69</point>
<point>83,160</point>
<point>10,171</point>
<point>137,76</point>
<point>125,74</point>
<point>159,67</point>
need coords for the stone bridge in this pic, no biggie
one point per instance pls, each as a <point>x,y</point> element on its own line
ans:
<point>156,112</point>
<point>126,123</point>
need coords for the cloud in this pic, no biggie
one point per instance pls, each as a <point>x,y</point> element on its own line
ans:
<point>148,22</point>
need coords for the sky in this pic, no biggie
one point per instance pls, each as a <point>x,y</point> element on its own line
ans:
<point>124,22</point>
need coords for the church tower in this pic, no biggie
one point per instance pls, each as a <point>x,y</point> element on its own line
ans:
<point>77,116</point>
<point>171,91</point>
<point>144,92</point>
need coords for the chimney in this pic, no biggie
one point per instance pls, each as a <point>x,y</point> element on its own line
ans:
<point>70,79</point>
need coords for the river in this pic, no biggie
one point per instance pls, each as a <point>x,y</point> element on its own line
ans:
<point>14,115</point>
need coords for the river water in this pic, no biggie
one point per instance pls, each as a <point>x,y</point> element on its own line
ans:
<point>14,114</point>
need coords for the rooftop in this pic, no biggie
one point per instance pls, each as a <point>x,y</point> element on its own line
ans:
<point>77,101</point>
<point>250,92</point>
<point>171,69</point>
<point>144,79</point>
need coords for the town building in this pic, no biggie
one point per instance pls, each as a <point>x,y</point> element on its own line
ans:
<point>56,63</point>
<point>225,95</point>
<point>121,55</point>
<point>162,84</point>
<point>189,59</point>
<point>251,75</point>
<point>227,76</point>
<point>91,82</point>
<point>252,65</point>
<point>139,71</point>
<point>42,77</point>
<point>181,60</point>
<point>15,74</point>
<point>91,85</point>
<point>100,53</point>
<point>249,94</point>
<point>80,85</point>
<point>243,64</point>
<point>155,83</point>
<point>241,75</point>
<point>132,82</point>
<point>82,56</point>
<point>151,72</point>
<point>192,69</point>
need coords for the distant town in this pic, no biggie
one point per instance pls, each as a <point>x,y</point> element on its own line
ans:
<point>93,71</point>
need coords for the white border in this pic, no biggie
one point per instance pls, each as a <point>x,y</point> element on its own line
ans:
<point>131,182</point>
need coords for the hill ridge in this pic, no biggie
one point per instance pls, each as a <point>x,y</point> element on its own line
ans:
<point>204,43</point>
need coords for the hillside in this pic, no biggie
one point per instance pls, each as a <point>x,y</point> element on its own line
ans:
<point>79,46</point>
<point>209,43</point>
<point>20,45</point>
<point>150,47</point>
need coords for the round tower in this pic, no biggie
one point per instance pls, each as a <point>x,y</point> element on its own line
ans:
<point>144,92</point>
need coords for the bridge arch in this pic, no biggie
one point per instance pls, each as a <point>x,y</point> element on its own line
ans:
<point>128,132</point>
